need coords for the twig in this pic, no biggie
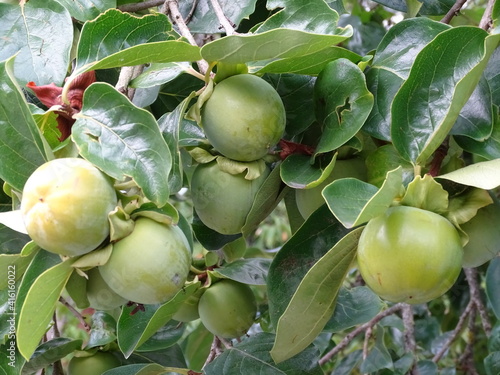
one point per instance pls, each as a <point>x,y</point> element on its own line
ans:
<point>409,324</point>
<point>214,351</point>
<point>351,335</point>
<point>467,358</point>
<point>127,74</point>
<point>453,11</point>
<point>225,23</point>
<point>75,313</point>
<point>368,335</point>
<point>472,279</point>
<point>176,16</point>
<point>140,6</point>
<point>191,12</point>
<point>486,20</point>
<point>456,332</point>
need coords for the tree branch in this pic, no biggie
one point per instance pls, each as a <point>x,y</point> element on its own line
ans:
<point>454,10</point>
<point>75,313</point>
<point>226,24</point>
<point>350,336</point>
<point>140,6</point>
<point>486,20</point>
<point>472,279</point>
<point>172,7</point>
<point>127,74</point>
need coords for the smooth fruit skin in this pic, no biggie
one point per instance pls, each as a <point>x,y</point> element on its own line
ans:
<point>150,265</point>
<point>244,117</point>
<point>222,200</point>
<point>99,294</point>
<point>309,200</point>
<point>65,206</point>
<point>409,255</point>
<point>227,308</point>
<point>93,365</point>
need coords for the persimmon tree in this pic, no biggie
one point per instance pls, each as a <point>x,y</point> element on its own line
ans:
<point>243,149</point>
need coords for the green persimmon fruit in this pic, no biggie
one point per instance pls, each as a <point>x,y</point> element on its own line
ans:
<point>99,294</point>
<point>150,265</point>
<point>244,117</point>
<point>409,255</point>
<point>228,308</point>
<point>65,206</point>
<point>223,200</point>
<point>309,200</point>
<point>95,364</point>
<point>188,310</point>
<point>484,236</point>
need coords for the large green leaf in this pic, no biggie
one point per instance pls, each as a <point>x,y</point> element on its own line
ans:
<point>40,32</point>
<point>391,66</point>
<point>22,148</point>
<point>273,44</point>
<point>251,357</point>
<point>429,7</point>
<point>251,271</point>
<point>442,78</point>
<point>489,148</point>
<point>354,202</point>
<point>50,352</point>
<point>298,172</point>
<point>313,239</point>
<point>313,303</point>
<point>134,330</point>
<point>342,103</point>
<point>85,10</point>
<point>117,39</point>
<point>123,140</point>
<point>483,175</point>
<point>39,306</point>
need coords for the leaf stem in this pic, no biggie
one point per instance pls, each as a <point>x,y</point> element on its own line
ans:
<point>454,10</point>
<point>75,313</point>
<point>351,335</point>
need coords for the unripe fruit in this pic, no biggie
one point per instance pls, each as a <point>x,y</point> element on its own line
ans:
<point>99,294</point>
<point>244,117</point>
<point>65,206</point>
<point>309,200</point>
<point>150,265</point>
<point>223,200</point>
<point>92,365</point>
<point>409,255</point>
<point>228,308</point>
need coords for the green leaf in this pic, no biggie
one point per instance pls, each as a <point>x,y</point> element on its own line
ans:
<point>251,357</point>
<point>342,103</point>
<point>313,303</point>
<point>391,67</point>
<point>311,64</point>
<point>196,347</point>
<point>112,133</point>
<point>209,238</point>
<point>22,148</point>
<point>39,306</point>
<point>492,363</point>
<point>429,7</point>
<point>313,239</point>
<point>378,357</point>
<point>165,337</point>
<point>273,44</point>
<point>103,330</point>
<point>483,175</point>
<point>492,282</point>
<point>251,271</point>
<point>86,10</point>
<point>40,33</point>
<point>442,78</point>
<point>11,241</point>
<point>354,202</point>
<point>134,330</point>
<point>355,306</point>
<point>492,75</point>
<point>76,287</point>
<point>298,172</point>
<point>158,74</point>
<point>383,159</point>
<point>14,265</point>
<point>50,352</point>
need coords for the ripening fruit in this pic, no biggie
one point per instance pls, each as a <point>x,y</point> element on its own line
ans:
<point>93,365</point>
<point>244,117</point>
<point>223,200</point>
<point>65,206</point>
<point>99,294</point>
<point>409,255</point>
<point>227,308</point>
<point>150,265</point>
<point>309,200</point>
